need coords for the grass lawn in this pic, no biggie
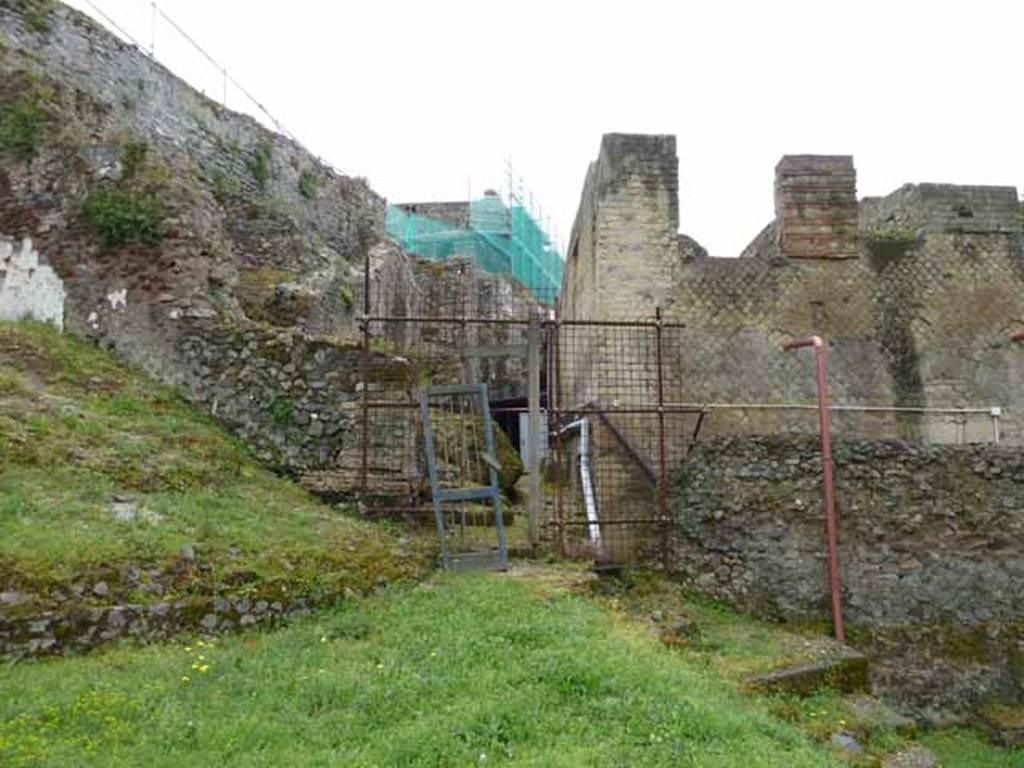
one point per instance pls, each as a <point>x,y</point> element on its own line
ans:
<point>469,669</point>
<point>463,670</point>
<point>104,472</point>
<point>734,646</point>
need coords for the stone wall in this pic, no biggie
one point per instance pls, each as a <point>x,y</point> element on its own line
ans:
<point>250,286</point>
<point>455,212</point>
<point>248,297</point>
<point>931,552</point>
<point>82,629</point>
<point>624,244</point>
<point>916,313</point>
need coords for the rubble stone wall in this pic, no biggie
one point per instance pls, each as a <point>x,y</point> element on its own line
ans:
<point>931,551</point>
<point>248,298</point>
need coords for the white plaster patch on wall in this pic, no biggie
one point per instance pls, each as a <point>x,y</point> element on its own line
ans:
<point>28,289</point>
<point>118,298</point>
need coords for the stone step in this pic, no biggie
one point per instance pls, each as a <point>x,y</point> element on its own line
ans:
<point>841,668</point>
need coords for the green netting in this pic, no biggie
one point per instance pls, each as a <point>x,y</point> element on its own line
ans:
<point>500,239</point>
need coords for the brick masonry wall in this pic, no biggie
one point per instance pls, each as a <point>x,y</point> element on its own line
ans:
<point>931,550</point>
<point>816,206</point>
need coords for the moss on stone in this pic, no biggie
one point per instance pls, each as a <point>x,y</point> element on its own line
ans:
<point>281,410</point>
<point>255,289</point>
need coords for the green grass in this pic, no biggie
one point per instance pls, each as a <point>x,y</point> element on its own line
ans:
<point>962,748</point>
<point>525,671</point>
<point>466,670</point>
<point>734,646</point>
<point>79,433</point>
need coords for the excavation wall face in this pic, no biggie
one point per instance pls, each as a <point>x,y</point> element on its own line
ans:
<point>931,550</point>
<point>247,297</point>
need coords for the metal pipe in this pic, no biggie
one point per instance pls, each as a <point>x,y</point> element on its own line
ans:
<point>594,407</point>
<point>555,417</point>
<point>589,501</point>
<point>662,462</point>
<point>705,408</point>
<point>831,525</point>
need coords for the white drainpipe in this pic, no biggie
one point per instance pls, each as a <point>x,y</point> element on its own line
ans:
<point>590,502</point>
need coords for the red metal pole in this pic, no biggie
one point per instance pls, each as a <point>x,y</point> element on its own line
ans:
<point>831,525</point>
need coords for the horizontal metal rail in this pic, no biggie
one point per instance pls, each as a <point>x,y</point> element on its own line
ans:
<point>988,410</point>
<point>634,521</point>
<point>453,320</point>
<point>612,324</point>
<point>426,320</point>
<point>704,407</point>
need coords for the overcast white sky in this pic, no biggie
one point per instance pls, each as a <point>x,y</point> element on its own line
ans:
<point>426,99</point>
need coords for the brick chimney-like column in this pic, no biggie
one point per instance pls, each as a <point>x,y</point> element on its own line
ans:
<point>816,206</point>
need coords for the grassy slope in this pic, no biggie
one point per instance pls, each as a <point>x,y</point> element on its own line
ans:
<point>469,669</point>
<point>734,646</point>
<point>78,432</point>
<point>466,670</point>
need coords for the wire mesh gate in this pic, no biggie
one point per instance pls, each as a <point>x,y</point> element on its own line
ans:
<point>616,436</point>
<point>403,354</point>
<point>603,389</point>
<point>459,440</point>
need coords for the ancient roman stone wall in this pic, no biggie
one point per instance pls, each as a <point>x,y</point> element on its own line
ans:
<point>455,212</point>
<point>249,300</point>
<point>915,295</point>
<point>624,241</point>
<point>251,287</point>
<point>931,551</point>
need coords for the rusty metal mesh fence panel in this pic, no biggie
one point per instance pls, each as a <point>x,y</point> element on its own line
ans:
<point>614,438</point>
<point>387,463</point>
